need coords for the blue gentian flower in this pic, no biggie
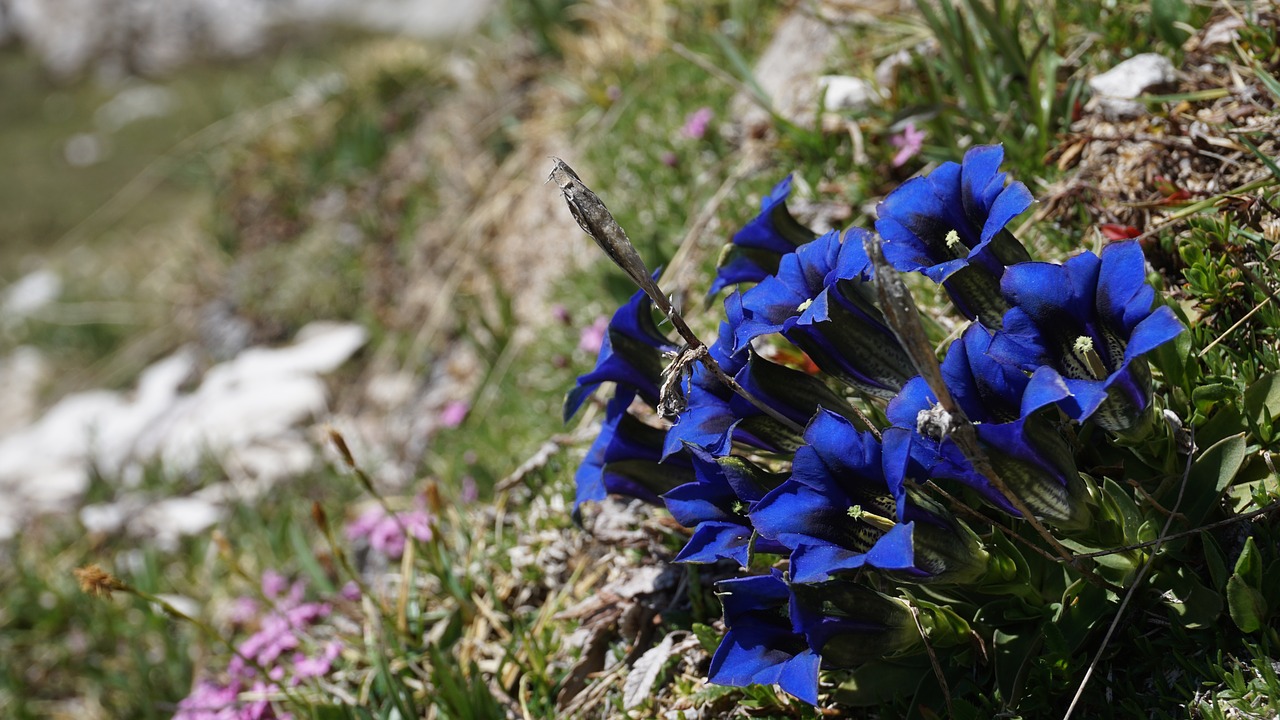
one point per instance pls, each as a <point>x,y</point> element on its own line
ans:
<point>950,225</point>
<point>1089,322</point>
<point>631,356</point>
<point>624,460</point>
<point>757,248</point>
<point>715,417</point>
<point>849,624</point>
<point>1013,426</point>
<point>761,646</point>
<point>837,513</point>
<point>821,300</point>
<point>716,505</point>
<point>782,633</point>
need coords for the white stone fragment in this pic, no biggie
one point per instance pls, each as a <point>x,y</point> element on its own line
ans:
<point>1114,90</point>
<point>31,293</point>
<point>842,92</point>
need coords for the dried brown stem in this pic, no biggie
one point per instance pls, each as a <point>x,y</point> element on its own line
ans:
<point>595,220</point>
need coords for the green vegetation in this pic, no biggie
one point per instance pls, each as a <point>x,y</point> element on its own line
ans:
<point>294,212</point>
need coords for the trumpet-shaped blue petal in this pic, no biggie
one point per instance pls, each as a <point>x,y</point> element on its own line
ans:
<point>1090,321</point>
<point>623,460</point>
<point>820,300</point>
<point>836,513</point>
<point>761,646</point>
<point>950,226</point>
<point>631,355</point>
<point>716,505</point>
<point>757,248</point>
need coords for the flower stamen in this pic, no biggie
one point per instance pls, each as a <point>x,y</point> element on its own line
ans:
<point>1084,350</point>
<point>954,243</point>
<point>878,522</point>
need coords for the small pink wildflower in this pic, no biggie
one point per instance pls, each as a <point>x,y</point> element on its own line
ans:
<point>454,412</point>
<point>273,583</point>
<point>593,335</point>
<point>470,493</point>
<point>695,125</point>
<point>385,533</point>
<point>308,667</point>
<point>350,591</point>
<point>908,143</point>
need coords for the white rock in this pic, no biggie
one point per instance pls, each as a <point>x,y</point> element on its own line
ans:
<point>1223,32</point>
<point>170,519</point>
<point>246,411</point>
<point>842,92</point>
<point>21,375</point>
<point>106,517</point>
<point>1114,90</point>
<point>31,293</point>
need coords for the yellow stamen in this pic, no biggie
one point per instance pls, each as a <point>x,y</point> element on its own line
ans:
<point>804,305</point>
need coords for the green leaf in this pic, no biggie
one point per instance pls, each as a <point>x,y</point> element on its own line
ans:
<point>1248,607</point>
<point>1244,590</point>
<point>879,682</point>
<point>1210,475</point>
<point>708,638</point>
<point>1262,398</point>
<point>1192,604</point>
<point>1166,15</point>
<point>1249,564</point>
<point>1129,512</point>
<point>1215,561</point>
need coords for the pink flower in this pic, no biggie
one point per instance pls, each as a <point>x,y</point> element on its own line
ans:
<point>308,667</point>
<point>273,583</point>
<point>350,591</point>
<point>593,336</point>
<point>243,610</point>
<point>386,534</point>
<point>695,125</point>
<point>470,493</point>
<point>908,143</point>
<point>454,412</point>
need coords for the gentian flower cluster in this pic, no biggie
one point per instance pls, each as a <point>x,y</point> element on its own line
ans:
<point>853,520</point>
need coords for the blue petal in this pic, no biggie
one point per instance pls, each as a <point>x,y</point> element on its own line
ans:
<point>715,540</point>
<point>706,423</point>
<point>1121,281</point>
<point>1045,388</point>
<point>751,655</point>
<point>1157,329</point>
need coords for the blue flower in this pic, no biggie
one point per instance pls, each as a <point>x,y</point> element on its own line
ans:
<point>782,633</point>
<point>756,249</point>
<point>716,504</point>
<point>1089,322</point>
<point>1013,429</point>
<point>950,225</point>
<point>630,356</point>
<point>761,646</point>
<point>821,300</point>
<point>624,460</point>
<point>837,513</point>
